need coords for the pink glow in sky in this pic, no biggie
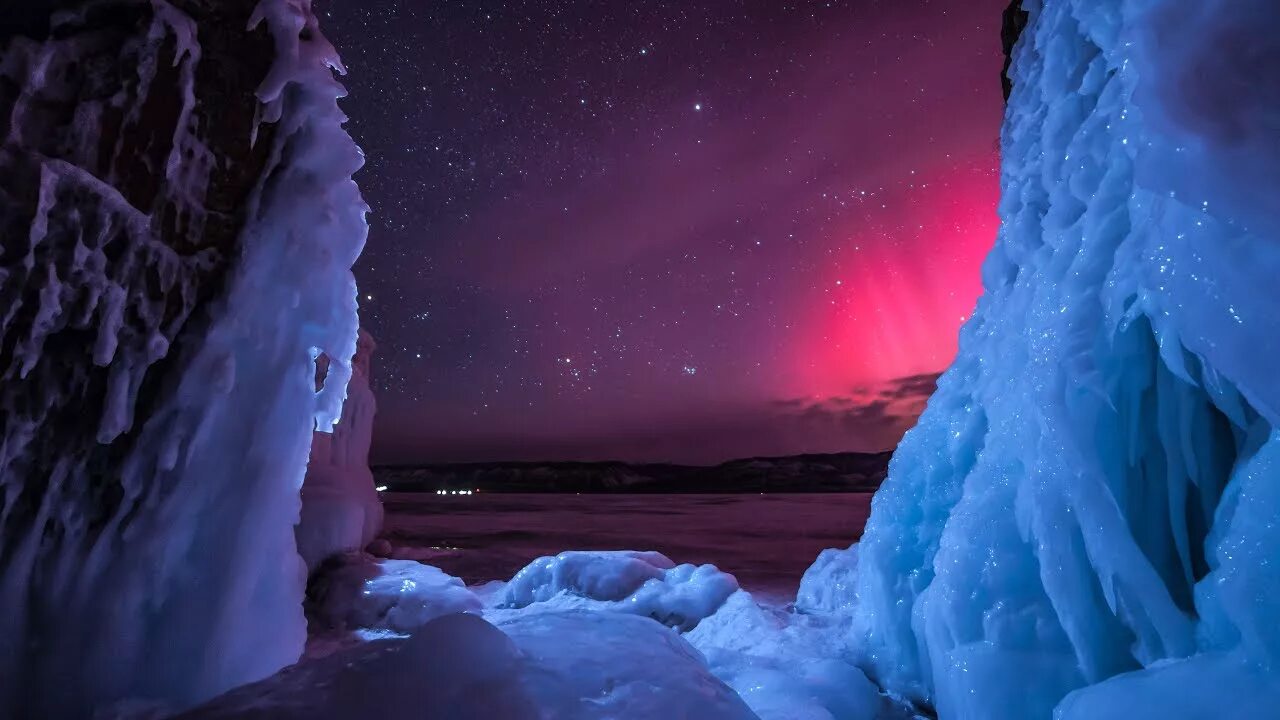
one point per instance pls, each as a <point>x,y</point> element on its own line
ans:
<point>668,231</point>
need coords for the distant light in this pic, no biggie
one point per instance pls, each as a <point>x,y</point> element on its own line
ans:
<point>697,106</point>
<point>381,488</point>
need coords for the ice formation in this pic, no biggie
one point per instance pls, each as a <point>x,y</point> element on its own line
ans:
<point>179,233</point>
<point>1087,509</point>
<point>399,596</point>
<point>586,654</point>
<point>828,585</point>
<point>641,583</point>
<point>341,511</point>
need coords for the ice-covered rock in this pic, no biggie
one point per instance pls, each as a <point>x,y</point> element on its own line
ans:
<point>179,223</point>
<point>563,665</point>
<point>1093,488</point>
<point>642,583</point>
<point>341,511</point>
<point>358,592</point>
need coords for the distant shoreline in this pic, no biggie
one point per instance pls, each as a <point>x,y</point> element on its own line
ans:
<point>811,473</point>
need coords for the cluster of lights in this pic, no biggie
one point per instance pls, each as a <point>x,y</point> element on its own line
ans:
<point>455,492</point>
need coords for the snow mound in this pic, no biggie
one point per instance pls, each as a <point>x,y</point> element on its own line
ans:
<point>399,596</point>
<point>641,583</point>
<point>828,584</point>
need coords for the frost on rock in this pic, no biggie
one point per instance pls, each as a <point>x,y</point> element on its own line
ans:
<point>341,511</point>
<point>358,592</point>
<point>641,583</point>
<point>179,223</point>
<point>1089,500</point>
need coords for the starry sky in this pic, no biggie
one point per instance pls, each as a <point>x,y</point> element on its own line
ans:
<point>683,231</point>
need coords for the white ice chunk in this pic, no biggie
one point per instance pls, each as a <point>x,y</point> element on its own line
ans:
<point>361,593</point>
<point>828,584</point>
<point>642,583</point>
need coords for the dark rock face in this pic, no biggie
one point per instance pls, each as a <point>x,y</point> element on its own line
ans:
<point>1015,21</point>
<point>126,157</point>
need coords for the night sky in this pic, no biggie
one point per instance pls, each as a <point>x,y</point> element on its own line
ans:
<point>676,231</point>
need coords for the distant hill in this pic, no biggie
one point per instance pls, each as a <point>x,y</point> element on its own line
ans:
<point>837,472</point>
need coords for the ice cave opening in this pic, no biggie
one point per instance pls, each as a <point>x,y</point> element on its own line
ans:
<point>1083,523</point>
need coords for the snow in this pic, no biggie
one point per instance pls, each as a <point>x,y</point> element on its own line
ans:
<point>643,583</point>
<point>399,596</point>
<point>1092,490</point>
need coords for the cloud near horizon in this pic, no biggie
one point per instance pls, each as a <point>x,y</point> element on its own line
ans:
<point>867,418</point>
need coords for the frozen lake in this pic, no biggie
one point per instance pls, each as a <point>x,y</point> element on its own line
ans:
<point>767,541</point>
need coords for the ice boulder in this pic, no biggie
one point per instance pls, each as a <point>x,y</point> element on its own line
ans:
<point>828,584</point>
<point>641,583</point>
<point>358,592</point>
